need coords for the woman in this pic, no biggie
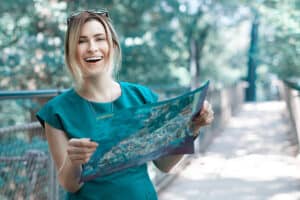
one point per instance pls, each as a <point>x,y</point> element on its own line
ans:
<point>92,54</point>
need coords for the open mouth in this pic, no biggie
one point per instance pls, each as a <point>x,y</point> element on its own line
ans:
<point>93,59</point>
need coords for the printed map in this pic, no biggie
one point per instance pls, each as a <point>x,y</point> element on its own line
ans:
<point>145,133</point>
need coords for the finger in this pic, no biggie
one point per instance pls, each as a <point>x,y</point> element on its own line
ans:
<point>206,105</point>
<point>207,112</point>
<point>203,121</point>
<point>209,108</point>
<point>209,105</point>
<point>80,150</point>
<point>84,142</point>
<point>202,116</point>
<point>209,120</point>
<point>78,162</point>
<point>78,157</point>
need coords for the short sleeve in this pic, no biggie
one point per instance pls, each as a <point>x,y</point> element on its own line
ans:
<point>48,114</point>
<point>149,95</point>
<point>153,96</point>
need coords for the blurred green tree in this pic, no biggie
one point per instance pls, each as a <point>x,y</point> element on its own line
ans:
<point>280,44</point>
<point>165,43</point>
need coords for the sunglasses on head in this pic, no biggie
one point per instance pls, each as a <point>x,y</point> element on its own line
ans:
<point>101,12</point>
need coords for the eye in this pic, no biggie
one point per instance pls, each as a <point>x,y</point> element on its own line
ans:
<point>100,38</point>
<point>81,41</point>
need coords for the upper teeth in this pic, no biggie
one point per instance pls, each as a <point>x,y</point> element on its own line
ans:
<point>94,58</point>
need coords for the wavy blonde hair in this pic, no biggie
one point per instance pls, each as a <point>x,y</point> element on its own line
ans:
<point>75,24</point>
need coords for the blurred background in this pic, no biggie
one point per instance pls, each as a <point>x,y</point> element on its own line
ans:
<point>169,45</point>
<point>165,44</point>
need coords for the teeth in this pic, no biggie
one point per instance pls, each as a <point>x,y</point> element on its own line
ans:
<point>94,58</point>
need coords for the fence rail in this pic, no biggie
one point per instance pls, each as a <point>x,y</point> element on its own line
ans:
<point>30,94</point>
<point>27,162</point>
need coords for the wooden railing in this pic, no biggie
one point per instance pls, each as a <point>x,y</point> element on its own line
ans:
<point>291,95</point>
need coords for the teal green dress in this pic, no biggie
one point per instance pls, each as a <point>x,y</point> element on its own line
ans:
<point>76,116</point>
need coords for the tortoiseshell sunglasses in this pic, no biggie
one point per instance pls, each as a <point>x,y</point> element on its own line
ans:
<point>101,12</point>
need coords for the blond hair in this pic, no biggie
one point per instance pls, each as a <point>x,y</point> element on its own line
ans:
<point>72,37</point>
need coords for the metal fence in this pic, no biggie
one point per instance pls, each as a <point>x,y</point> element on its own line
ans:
<point>27,170</point>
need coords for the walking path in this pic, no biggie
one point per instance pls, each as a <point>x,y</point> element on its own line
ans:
<point>252,159</point>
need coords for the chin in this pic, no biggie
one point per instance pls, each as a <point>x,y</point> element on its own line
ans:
<point>94,69</point>
<point>95,72</point>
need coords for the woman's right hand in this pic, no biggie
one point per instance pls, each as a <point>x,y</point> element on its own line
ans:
<point>80,150</point>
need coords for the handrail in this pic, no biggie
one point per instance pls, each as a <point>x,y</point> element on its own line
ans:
<point>16,128</point>
<point>21,94</point>
<point>31,94</point>
<point>293,83</point>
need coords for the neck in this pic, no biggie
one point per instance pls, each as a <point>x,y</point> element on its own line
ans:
<point>100,89</point>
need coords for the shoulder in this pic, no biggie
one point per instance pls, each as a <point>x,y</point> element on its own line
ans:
<point>61,99</point>
<point>135,87</point>
<point>52,111</point>
<point>140,90</point>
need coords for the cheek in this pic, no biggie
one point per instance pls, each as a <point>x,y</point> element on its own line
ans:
<point>105,48</point>
<point>79,49</point>
<point>79,52</point>
<point>78,60</point>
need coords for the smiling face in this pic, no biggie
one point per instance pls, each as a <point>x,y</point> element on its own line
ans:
<point>92,46</point>
<point>92,49</point>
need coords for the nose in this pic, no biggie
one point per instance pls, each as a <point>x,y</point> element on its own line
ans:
<point>92,46</point>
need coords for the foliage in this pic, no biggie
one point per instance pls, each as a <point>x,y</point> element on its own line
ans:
<point>280,42</point>
<point>157,40</point>
<point>165,43</point>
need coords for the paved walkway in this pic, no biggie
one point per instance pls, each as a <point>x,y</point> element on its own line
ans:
<point>252,159</point>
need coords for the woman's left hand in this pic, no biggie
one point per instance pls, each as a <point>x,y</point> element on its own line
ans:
<point>205,117</point>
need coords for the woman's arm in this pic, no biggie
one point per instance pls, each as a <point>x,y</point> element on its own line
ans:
<point>166,163</point>
<point>68,156</point>
<point>68,174</point>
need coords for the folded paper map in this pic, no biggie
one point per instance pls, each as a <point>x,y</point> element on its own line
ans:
<point>145,133</point>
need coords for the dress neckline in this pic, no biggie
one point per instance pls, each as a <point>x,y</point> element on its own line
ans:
<point>99,102</point>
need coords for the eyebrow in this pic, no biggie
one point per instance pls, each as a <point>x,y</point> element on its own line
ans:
<point>96,35</point>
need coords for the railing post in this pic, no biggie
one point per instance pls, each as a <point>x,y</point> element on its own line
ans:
<point>291,94</point>
<point>53,184</point>
<point>295,105</point>
<point>225,106</point>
